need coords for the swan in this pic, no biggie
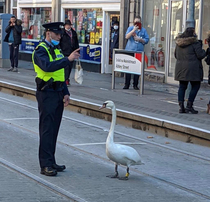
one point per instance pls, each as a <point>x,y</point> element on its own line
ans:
<point>119,154</point>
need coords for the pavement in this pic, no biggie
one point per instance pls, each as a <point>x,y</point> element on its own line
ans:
<point>159,100</point>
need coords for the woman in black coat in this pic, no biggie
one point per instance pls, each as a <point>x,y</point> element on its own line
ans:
<point>189,54</point>
<point>208,63</point>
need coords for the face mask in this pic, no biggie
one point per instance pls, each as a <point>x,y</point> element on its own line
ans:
<point>67,30</point>
<point>115,27</point>
<point>54,42</point>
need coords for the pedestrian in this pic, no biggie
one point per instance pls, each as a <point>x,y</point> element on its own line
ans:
<point>115,37</point>
<point>208,63</point>
<point>68,43</point>
<point>49,64</point>
<point>13,37</point>
<point>188,68</point>
<point>137,38</point>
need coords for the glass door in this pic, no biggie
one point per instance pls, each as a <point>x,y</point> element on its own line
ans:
<point>177,18</point>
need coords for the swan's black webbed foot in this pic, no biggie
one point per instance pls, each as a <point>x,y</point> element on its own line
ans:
<point>126,176</point>
<point>123,178</point>
<point>113,176</point>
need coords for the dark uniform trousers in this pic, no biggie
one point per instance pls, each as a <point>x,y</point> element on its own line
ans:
<point>68,70</point>
<point>128,79</point>
<point>50,106</point>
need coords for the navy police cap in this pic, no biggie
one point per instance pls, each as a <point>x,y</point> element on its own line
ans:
<point>56,27</point>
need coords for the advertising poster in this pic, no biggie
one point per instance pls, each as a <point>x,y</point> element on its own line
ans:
<point>70,16</point>
<point>79,20</point>
<point>92,37</point>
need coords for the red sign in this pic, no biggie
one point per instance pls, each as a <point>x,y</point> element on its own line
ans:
<point>162,38</point>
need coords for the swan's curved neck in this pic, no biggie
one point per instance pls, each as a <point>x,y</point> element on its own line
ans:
<point>111,130</point>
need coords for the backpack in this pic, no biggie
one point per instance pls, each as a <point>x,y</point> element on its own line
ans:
<point>207,59</point>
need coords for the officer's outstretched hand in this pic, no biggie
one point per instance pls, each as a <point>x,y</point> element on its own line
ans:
<point>74,55</point>
<point>66,100</point>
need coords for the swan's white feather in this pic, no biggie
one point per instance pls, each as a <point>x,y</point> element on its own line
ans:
<point>120,154</point>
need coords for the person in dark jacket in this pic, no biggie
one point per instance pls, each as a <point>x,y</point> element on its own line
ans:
<point>208,56</point>
<point>13,37</point>
<point>115,37</point>
<point>52,94</point>
<point>189,54</point>
<point>68,43</point>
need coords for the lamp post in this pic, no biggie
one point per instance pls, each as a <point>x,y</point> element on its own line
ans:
<point>190,17</point>
<point>190,22</point>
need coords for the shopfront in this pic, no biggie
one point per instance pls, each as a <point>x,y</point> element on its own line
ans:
<point>32,16</point>
<point>164,20</point>
<point>93,24</point>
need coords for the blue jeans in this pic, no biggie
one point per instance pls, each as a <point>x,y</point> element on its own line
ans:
<point>194,90</point>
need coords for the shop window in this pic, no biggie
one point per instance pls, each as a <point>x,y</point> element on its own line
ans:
<point>32,19</point>
<point>87,23</point>
<point>14,12</point>
<point>155,23</point>
<point>205,32</point>
<point>14,3</point>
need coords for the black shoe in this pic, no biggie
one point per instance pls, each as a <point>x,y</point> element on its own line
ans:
<point>48,171</point>
<point>126,87</point>
<point>190,109</point>
<point>59,168</point>
<point>136,88</point>
<point>181,109</point>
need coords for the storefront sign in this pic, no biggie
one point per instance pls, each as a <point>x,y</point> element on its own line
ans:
<point>28,45</point>
<point>93,54</point>
<point>87,53</point>
<point>127,62</point>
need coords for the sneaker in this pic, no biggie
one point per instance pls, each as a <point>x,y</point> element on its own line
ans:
<point>136,88</point>
<point>10,69</point>
<point>15,69</point>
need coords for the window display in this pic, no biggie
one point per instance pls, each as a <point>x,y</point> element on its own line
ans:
<point>87,23</point>
<point>205,32</point>
<point>155,24</point>
<point>32,19</point>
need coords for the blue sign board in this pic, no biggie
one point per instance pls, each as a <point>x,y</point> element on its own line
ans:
<point>87,53</point>
<point>93,54</point>
<point>28,45</point>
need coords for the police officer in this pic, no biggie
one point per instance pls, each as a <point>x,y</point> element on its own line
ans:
<point>49,64</point>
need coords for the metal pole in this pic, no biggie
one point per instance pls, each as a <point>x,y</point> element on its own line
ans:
<point>190,23</point>
<point>142,75</point>
<point>113,72</point>
<point>200,20</point>
<point>190,17</point>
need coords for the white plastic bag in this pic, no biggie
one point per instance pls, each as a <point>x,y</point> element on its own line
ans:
<point>78,76</point>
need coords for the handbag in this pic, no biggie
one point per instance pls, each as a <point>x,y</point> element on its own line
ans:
<point>78,75</point>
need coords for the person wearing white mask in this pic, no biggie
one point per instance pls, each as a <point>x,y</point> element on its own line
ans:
<point>115,37</point>
<point>68,44</point>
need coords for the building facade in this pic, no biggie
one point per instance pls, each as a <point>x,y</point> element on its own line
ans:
<point>93,19</point>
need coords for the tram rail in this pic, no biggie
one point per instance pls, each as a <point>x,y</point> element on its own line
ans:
<point>71,196</point>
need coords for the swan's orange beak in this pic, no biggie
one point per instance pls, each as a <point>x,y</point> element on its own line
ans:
<point>103,106</point>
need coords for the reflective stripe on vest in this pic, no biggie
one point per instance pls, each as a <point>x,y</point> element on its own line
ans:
<point>57,75</point>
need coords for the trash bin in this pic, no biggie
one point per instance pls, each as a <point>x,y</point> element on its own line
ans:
<point>4,47</point>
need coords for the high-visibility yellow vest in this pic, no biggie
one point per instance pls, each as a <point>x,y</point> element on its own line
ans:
<point>58,75</point>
